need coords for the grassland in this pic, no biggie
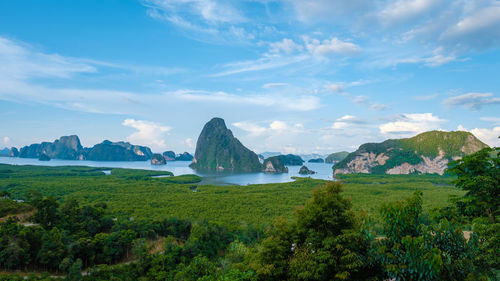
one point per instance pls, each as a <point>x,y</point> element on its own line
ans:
<point>134,193</point>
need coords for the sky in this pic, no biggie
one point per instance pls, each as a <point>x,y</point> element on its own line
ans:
<point>290,76</point>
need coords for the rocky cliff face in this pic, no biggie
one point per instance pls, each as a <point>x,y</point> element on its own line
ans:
<point>184,157</point>
<point>428,152</point>
<point>217,150</point>
<point>118,151</point>
<point>158,159</point>
<point>13,152</point>
<point>169,155</point>
<point>274,165</point>
<point>66,147</point>
<point>70,148</point>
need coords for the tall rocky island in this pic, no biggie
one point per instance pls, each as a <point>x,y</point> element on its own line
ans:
<point>217,150</point>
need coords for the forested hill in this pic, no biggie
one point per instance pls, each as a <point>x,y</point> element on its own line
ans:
<point>428,152</point>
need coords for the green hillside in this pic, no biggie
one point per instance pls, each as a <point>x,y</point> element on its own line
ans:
<point>337,156</point>
<point>411,150</point>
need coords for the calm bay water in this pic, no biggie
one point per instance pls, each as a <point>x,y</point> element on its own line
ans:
<point>323,170</point>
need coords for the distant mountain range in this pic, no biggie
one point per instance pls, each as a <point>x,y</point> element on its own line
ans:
<point>70,148</point>
<point>429,152</point>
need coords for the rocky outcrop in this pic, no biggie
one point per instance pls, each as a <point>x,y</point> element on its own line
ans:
<point>184,157</point>
<point>158,159</point>
<point>169,155</point>
<point>428,152</point>
<point>4,152</point>
<point>317,160</point>
<point>13,152</point>
<point>44,157</point>
<point>305,171</point>
<point>66,147</point>
<point>217,150</point>
<point>274,165</point>
<point>118,151</point>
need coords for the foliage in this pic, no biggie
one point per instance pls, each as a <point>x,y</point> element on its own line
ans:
<point>479,175</point>
<point>323,242</point>
<point>12,207</point>
<point>136,174</point>
<point>182,179</point>
<point>457,143</point>
<point>412,251</point>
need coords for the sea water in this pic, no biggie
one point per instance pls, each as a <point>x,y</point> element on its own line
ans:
<point>323,170</point>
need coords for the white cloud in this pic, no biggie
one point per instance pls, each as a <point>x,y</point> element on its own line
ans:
<point>253,129</point>
<point>474,101</point>
<point>274,85</point>
<point>286,46</point>
<point>338,87</point>
<point>274,127</point>
<point>278,125</point>
<point>488,136</point>
<point>347,121</point>
<point>480,28</point>
<point>410,124</point>
<point>333,46</point>
<point>264,63</point>
<point>6,140</point>
<point>293,103</point>
<point>379,106</point>
<point>19,62</point>
<point>148,133</point>
<point>360,99</point>
<point>438,58</point>
<point>405,10</point>
<point>189,142</point>
<point>209,11</point>
<point>328,10</point>
<point>494,120</point>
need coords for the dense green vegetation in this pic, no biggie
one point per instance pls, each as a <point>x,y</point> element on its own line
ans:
<point>135,193</point>
<point>326,239</point>
<point>12,207</point>
<point>457,143</point>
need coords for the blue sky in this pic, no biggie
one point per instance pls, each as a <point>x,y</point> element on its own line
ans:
<point>291,76</point>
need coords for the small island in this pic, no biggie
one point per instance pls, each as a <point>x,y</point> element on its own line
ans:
<point>158,159</point>
<point>274,165</point>
<point>317,160</point>
<point>305,171</point>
